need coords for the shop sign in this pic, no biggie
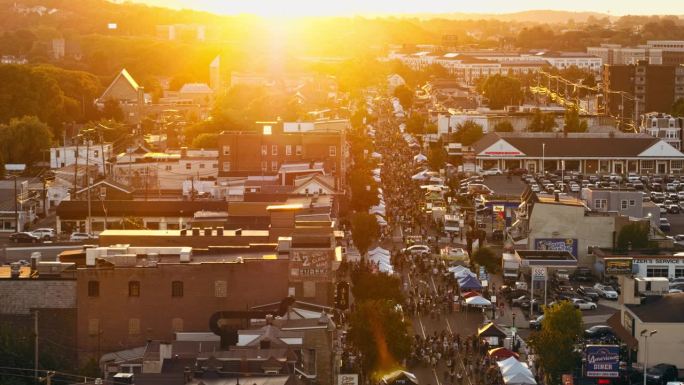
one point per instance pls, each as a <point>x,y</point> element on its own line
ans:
<point>602,360</point>
<point>618,266</point>
<point>557,244</point>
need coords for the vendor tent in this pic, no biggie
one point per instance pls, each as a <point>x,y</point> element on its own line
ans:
<point>381,221</point>
<point>490,330</point>
<point>455,269</point>
<point>469,294</point>
<point>478,301</point>
<point>508,365</point>
<point>379,250</point>
<point>469,283</point>
<point>501,354</point>
<point>520,378</point>
<point>399,377</point>
<point>420,158</point>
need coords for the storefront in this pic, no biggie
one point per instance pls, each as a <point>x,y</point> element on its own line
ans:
<point>667,266</point>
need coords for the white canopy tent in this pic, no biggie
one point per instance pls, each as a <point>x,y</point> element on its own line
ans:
<point>515,373</point>
<point>478,301</point>
<point>381,220</point>
<point>376,155</point>
<point>379,250</point>
<point>520,379</point>
<point>420,158</point>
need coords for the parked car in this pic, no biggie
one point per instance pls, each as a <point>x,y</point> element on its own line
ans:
<point>492,171</point>
<point>660,374</point>
<point>82,237</point>
<point>673,208</point>
<point>665,225</point>
<point>582,274</point>
<point>598,331</point>
<point>588,292</point>
<point>44,233</point>
<point>417,250</point>
<point>23,238</point>
<point>583,304</point>
<point>606,291</point>
<point>562,275</point>
<point>535,324</point>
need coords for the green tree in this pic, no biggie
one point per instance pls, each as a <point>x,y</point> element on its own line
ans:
<point>24,140</point>
<point>405,96</point>
<point>365,230</point>
<point>205,141</point>
<point>437,156</point>
<point>468,133</point>
<point>503,126</point>
<point>501,91</point>
<point>484,256</point>
<point>634,235</point>
<point>80,90</point>
<point>678,107</point>
<point>112,110</point>
<point>416,124</point>
<point>364,190</point>
<point>573,122</point>
<point>555,343</point>
<point>370,286</point>
<point>541,122</point>
<point>378,330</point>
<point>29,92</point>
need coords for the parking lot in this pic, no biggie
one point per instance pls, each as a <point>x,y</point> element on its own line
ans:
<point>504,186</point>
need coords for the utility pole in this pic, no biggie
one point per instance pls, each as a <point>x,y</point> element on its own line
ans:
<point>87,173</point>
<point>102,151</point>
<point>44,196</point>
<point>35,346</point>
<point>75,167</point>
<point>192,188</point>
<point>145,182</point>
<point>16,206</point>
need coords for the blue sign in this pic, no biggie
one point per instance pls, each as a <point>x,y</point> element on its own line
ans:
<point>557,244</point>
<point>603,360</point>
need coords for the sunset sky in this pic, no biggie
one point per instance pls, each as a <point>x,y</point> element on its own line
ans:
<point>375,7</point>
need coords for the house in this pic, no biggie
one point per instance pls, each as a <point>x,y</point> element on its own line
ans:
<point>198,93</point>
<point>314,184</point>
<point>105,189</point>
<point>128,94</point>
<point>93,153</point>
<point>18,202</point>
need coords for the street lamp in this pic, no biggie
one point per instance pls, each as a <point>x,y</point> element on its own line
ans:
<point>645,333</point>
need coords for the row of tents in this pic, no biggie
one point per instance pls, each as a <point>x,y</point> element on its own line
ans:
<point>382,258</point>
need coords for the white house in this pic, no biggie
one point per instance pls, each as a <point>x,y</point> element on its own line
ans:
<point>93,153</point>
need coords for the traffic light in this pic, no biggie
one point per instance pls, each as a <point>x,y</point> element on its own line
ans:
<point>342,295</point>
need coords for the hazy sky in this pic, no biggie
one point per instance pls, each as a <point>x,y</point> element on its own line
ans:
<point>373,7</point>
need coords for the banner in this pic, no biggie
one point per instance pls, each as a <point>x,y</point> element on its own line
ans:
<point>557,244</point>
<point>603,360</point>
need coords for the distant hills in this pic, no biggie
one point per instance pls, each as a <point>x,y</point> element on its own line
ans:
<point>535,16</point>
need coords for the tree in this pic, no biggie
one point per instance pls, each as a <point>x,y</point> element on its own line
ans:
<point>678,107</point>
<point>365,230</point>
<point>379,332</point>
<point>501,91</point>
<point>541,122</point>
<point>468,133</point>
<point>205,141</point>
<point>405,96</point>
<point>555,343</point>
<point>112,110</point>
<point>503,126</point>
<point>416,124</point>
<point>370,286</point>
<point>24,140</point>
<point>29,92</point>
<point>484,256</point>
<point>364,190</point>
<point>437,156</point>
<point>633,235</point>
<point>573,122</point>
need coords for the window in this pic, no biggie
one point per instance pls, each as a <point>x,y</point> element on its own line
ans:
<point>93,288</point>
<point>226,166</point>
<point>226,150</point>
<point>134,326</point>
<point>264,166</point>
<point>676,164</point>
<point>264,149</point>
<point>134,289</point>
<point>188,166</point>
<point>274,149</point>
<point>220,289</point>
<point>288,150</point>
<point>177,325</point>
<point>274,165</point>
<point>656,271</point>
<point>632,203</point>
<point>298,149</point>
<point>267,130</point>
<point>679,272</point>
<point>177,288</point>
<point>201,165</point>
<point>332,150</point>
<point>167,168</point>
<point>600,203</point>
<point>57,153</point>
<point>214,165</point>
<point>623,204</point>
<point>648,164</point>
<point>96,154</point>
<point>93,326</point>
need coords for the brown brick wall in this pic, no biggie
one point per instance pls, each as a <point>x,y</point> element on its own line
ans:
<point>19,296</point>
<point>153,312</point>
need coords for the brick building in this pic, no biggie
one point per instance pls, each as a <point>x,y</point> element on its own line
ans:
<point>648,88</point>
<point>127,299</point>
<point>274,147</point>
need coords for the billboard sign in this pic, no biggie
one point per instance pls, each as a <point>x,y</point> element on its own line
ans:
<point>602,360</point>
<point>618,266</point>
<point>539,273</point>
<point>557,244</point>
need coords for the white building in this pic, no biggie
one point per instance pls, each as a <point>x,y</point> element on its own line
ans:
<point>654,51</point>
<point>663,126</point>
<point>563,60</point>
<point>94,154</point>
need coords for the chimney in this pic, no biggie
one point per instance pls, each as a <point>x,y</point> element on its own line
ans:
<point>208,231</point>
<point>195,231</point>
<point>219,231</point>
